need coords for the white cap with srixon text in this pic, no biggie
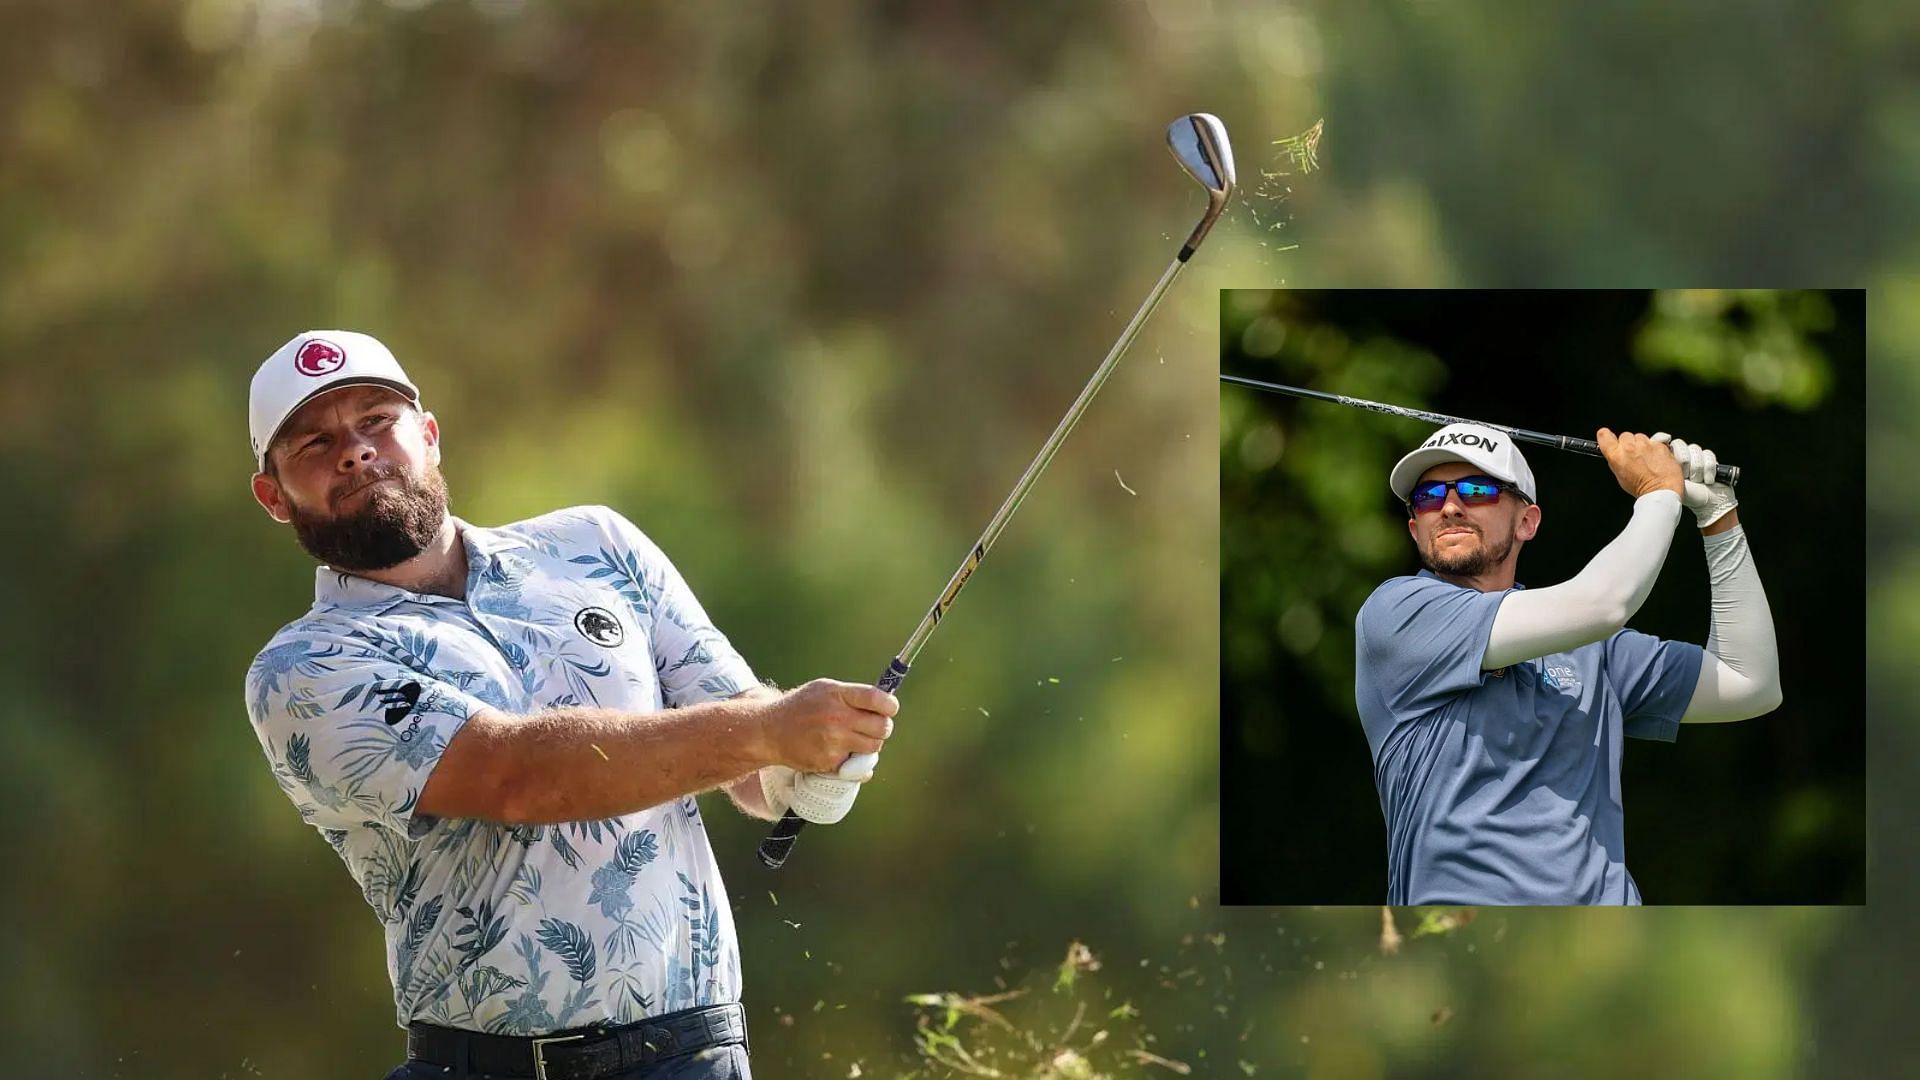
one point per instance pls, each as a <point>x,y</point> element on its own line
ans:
<point>310,365</point>
<point>1491,450</point>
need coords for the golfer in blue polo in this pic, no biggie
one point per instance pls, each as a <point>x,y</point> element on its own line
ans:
<point>1496,714</point>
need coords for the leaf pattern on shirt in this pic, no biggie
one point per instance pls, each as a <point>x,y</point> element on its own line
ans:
<point>419,927</point>
<point>581,675</point>
<point>280,660</point>
<point>697,654</point>
<point>482,930</point>
<point>506,575</point>
<point>623,572</point>
<point>518,658</point>
<point>613,881</point>
<point>571,944</point>
<point>721,686</point>
<point>631,1002</point>
<point>525,889</point>
<point>526,1014</point>
<point>703,939</point>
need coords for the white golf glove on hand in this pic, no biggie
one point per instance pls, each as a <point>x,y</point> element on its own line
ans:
<point>1706,497</point>
<point>817,797</point>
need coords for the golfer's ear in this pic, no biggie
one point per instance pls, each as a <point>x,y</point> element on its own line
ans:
<point>266,492</point>
<point>431,428</point>
<point>1529,523</point>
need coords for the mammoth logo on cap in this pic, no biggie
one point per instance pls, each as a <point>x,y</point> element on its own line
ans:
<point>318,357</point>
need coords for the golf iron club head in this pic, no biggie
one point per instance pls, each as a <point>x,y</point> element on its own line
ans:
<point>1199,140</point>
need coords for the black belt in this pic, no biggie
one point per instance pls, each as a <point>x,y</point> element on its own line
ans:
<point>579,1055</point>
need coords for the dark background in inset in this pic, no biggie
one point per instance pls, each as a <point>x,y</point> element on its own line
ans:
<point>1766,811</point>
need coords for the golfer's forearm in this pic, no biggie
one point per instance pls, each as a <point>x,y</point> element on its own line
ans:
<point>745,792</point>
<point>1740,672</point>
<point>1595,603</point>
<point>578,764</point>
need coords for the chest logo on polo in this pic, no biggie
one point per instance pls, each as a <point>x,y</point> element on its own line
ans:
<point>1560,677</point>
<point>598,625</point>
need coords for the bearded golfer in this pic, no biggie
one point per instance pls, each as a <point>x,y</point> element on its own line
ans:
<point>501,732</point>
<point>1496,713</point>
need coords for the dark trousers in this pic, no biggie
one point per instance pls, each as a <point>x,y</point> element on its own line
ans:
<point>714,1063</point>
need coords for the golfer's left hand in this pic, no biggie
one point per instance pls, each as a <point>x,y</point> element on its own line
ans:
<point>816,797</point>
<point>1704,495</point>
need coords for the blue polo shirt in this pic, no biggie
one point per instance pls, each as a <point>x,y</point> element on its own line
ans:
<point>1503,787</point>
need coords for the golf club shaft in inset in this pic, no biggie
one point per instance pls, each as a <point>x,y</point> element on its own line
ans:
<point>1200,142</point>
<point>1726,474</point>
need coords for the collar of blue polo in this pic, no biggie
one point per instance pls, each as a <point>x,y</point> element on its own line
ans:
<point>1425,573</point>
<point>342,589</point>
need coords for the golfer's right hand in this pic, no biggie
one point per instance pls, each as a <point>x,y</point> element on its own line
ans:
<point>813,728</point>
<point>1640,464</point>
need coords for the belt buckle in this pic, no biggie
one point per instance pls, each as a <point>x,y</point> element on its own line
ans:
<point>539,1052</point>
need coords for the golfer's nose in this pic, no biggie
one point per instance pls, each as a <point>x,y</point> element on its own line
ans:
<point>358,453</point>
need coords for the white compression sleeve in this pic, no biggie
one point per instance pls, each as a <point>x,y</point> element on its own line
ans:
<point>1740,671</point>
<point>1596,602</point>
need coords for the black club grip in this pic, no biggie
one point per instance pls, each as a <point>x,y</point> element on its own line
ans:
<point>778,843</point>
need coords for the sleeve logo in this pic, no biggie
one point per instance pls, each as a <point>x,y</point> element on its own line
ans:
<point>397,700</point>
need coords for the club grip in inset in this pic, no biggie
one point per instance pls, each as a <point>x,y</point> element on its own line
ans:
<point>1722,473</point>
<point>778,843</point>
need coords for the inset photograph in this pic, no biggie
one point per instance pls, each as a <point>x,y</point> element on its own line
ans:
<point>1542,597</point>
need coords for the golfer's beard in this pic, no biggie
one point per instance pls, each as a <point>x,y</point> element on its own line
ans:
<point>1466,564</point>
<point>396,522</point>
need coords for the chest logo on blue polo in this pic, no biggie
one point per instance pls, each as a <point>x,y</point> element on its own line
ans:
<point>598,625</point>
<point>1560,677</point>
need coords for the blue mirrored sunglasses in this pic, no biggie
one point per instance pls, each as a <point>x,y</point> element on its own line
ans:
<point>1472,490</point>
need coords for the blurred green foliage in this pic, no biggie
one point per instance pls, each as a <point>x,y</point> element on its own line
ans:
<point>800,289</point>
<point>1756,341</point>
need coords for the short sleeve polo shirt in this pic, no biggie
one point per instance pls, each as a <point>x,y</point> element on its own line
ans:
<point>1503,787</point>
<point>511,929</point>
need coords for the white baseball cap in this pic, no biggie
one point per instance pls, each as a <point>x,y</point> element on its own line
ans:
<point>310,365</point>
<point>1493,451</point>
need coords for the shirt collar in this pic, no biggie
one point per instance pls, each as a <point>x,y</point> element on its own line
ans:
<point>338,588</point>
<point>1426,573</point>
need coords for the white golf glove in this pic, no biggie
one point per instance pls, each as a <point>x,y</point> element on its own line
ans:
<point>1706,497</point>
<point>816,797</point>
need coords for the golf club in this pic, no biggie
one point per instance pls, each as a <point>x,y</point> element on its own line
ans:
<point>1726,474</point>
<point>1199,141</point>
